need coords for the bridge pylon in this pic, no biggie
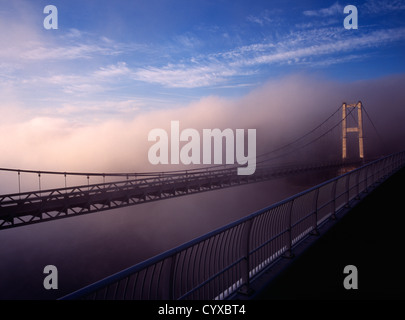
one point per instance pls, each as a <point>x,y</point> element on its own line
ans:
<point>358,129</point>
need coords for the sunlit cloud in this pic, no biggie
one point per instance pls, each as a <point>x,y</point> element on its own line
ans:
<point>54,142</point>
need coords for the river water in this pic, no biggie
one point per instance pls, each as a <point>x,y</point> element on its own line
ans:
<point>88,248</point>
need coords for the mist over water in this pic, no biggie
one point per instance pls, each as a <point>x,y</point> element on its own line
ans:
<point>280,111</point>
<point>88,248</point>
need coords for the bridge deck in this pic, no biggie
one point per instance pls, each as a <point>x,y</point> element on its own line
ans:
<point>370,236</point>
<point>44,205</point>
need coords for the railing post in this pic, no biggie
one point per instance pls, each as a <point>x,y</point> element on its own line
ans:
<point>315,231</point>
<point>366,179</point>
<point>374,166</point>
<point>395,163</point>
<point>19,183</point>
<point>333,195</point>
<point>245,268</point>
<point>347,185</point>
<point>385,169</point>
<point>288,254</point>
<point>372,170</point>
<point>39,181</point>
<point>187,184</point>
<point>171,278</point>
<point>382,169</point>
<point>358,185</point>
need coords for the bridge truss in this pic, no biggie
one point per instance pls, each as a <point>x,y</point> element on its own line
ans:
<point>38,206</point>
<point>23,208</point>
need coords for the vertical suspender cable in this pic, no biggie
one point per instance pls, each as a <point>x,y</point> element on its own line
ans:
<point>19,183</point>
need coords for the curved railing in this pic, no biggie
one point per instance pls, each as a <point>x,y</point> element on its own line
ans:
<point>220,263</point>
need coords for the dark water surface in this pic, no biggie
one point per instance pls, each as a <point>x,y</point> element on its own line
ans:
<point>88,248</point>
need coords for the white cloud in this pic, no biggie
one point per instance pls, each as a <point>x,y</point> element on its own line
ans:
<point>101,80</point>
<point>42,142</point>
<point>188,40</point>
<point>29,58</point>
<point>334,9</point>
<point>79,51</point>
<point>318,23</point>
<point>25,43</point>
<point>244,50</point>
<point>185,76</point>
<point>74,33</point>
<point>383,6</point>
<point>265,17</point>
<point>333,60</point>
<point>99,108</point>
<point>118,69</point>
<point>374,39</point>
<point>298,47</point>
<point>257,20</point>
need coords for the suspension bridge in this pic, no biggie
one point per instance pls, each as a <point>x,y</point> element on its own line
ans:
<point>226,261</point>
<point>116,190</point>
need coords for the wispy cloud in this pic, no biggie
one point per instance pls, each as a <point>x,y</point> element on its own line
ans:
<point>318,23</point>
<point>80,65</point>
<point>334,9</point>
<point>374,39</point>
<point>203,70</point>
<point>74,33</point>
<point>299,47</point>
<point>31,46</point>
<point>98,108</point>
<point>118,69</point>
<point>383,6</point>
<point>262,19</point>
<point>188,40</point>
<point>182,76</point>
<point>333,60</point>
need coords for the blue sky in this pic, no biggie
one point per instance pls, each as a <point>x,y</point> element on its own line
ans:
<point>119,58</point>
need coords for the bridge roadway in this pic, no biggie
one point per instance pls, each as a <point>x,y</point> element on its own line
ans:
<point>44,205</point>
<point>369,236</point>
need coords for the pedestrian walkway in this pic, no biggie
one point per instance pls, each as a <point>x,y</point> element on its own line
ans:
<point>370,237</point>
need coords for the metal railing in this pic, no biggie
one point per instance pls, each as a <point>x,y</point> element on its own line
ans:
<point>23,208</point>
<point>227,260</point>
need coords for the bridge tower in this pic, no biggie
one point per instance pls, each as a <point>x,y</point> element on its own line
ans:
<point>358,129</point>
